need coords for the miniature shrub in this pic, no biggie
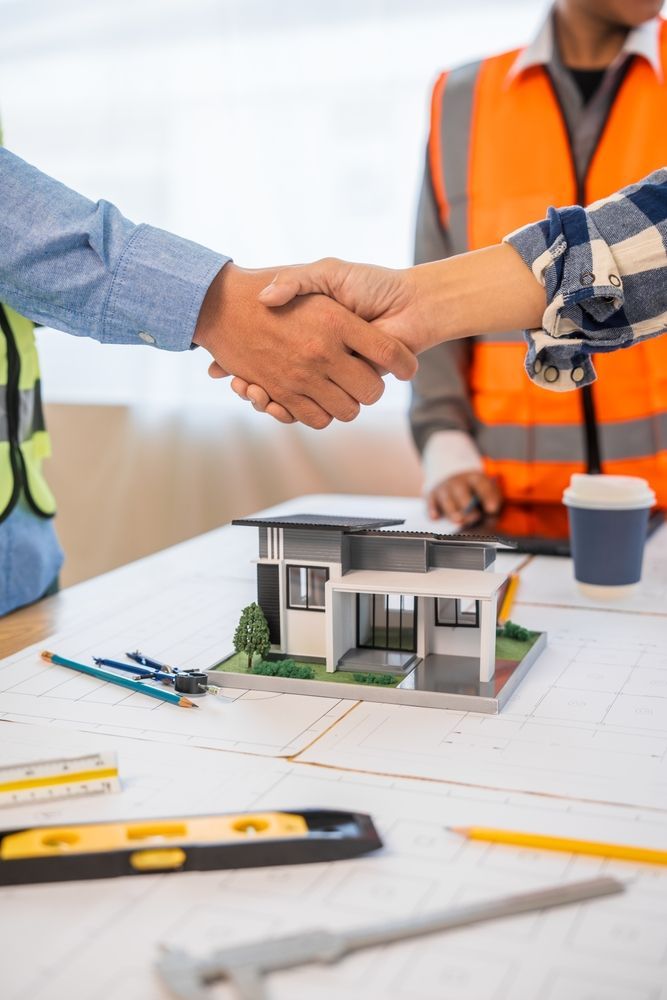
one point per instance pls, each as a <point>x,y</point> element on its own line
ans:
<point>514,631</point>
<point>283,668</point>
<point>381,679</point>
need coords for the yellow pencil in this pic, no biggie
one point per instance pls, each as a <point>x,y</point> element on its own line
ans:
<point>623,852</point>
<point>508,599</point>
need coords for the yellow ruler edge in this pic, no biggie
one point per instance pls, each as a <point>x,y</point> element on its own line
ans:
<point>68,778</point>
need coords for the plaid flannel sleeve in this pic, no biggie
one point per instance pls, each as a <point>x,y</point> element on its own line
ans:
<point>604,269</point>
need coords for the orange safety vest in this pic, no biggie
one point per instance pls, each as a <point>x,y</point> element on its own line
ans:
<point>499,156</point>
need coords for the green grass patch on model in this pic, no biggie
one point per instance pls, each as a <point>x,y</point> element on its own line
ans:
<point>513,642</point>
<point>237,664</point>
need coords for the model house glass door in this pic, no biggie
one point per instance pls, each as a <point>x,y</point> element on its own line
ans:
<point>387,621</point>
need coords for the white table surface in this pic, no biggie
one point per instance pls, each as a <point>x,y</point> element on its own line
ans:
<point>581,750</point>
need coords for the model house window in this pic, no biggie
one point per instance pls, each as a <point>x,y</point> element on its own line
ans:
<point>460,612</point>
<point>387,621</point>
<point>305,587</point>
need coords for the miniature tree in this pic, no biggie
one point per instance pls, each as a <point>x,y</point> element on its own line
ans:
<point>252,633</point>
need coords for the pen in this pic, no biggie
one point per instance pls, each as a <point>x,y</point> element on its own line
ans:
<point>131,668</point>
<point>106,675</point>
<point>473,505</point>
<point>597,848</point>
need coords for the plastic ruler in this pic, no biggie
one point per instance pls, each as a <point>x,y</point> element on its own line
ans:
<point>60,778</point>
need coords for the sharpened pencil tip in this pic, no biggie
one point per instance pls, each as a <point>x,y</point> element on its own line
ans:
<point>46,654</point>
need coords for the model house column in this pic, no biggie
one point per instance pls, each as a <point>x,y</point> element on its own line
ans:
<point>331,652</point>
<point>487,639</point>
<point>423,605</point>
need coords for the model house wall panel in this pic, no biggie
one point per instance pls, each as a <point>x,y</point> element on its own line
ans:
<point>305,633</point>
<point>312,546</point>
<point>454,641</point>
<point>406,555</point>
<point>346,624</point>
<point>268,597</point>
<point>345,554</point>
<point>263,543</point>
<point>441,556</point>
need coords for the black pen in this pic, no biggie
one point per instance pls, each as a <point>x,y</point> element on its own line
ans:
<point>474,504</point>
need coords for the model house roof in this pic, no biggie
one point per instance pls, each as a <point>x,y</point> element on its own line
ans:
<point>459,538</point>
<point>368,526</point>
<point>319,522</point>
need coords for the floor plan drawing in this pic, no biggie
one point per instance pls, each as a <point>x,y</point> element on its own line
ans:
<point>578,952</point>
<point>592,711</point>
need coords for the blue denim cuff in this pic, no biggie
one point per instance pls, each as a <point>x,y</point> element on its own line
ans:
<point>157,290</point>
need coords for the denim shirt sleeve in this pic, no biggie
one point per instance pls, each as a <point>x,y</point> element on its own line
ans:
<point>604,270</point>
<point>82,267</point>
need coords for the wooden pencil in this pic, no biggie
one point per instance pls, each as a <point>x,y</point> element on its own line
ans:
<point>108,675</point>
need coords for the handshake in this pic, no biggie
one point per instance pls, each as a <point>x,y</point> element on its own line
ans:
<point>311,343</point>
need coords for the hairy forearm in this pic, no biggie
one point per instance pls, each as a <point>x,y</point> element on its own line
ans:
<point>487,291</point>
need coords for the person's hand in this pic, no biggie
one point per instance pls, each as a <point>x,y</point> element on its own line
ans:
<point>393,299</point>
<point>312,357</point>
<point>487,291</point>
<point>261,400</point>
<point>464,497</point>
<point>386,296</point>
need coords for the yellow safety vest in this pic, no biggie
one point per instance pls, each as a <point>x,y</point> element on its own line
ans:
<point>24,441</point>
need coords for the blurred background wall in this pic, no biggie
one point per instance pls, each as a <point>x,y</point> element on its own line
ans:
<point>275,132</point>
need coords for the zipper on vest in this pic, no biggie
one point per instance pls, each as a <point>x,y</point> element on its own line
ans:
<point>591,427</point>
<point>12,411</point>
<point>12,402</point>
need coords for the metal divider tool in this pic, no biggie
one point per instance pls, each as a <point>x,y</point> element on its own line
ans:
<point>188,978</point>
<point>60,778</point>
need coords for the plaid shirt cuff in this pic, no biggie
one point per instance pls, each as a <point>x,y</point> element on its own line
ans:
<point>604,270</point>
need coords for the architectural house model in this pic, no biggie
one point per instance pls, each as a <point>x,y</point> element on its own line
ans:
<point>399,615</point>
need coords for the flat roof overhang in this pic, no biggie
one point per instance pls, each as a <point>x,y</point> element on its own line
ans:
<point>477,584</point>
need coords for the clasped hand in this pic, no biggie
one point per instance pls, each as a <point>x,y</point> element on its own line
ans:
<point>311,360</point>
<point>321,357</point>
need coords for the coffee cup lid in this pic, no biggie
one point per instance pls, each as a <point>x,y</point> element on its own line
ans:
<point>601,492</point>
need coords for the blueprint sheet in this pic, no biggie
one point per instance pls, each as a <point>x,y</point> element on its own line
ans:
<point>75,941</point>
<point>188,621</point>
<point>589,721</point>
<point>259,722</point>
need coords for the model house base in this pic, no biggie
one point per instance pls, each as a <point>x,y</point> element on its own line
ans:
<point>383,615</point>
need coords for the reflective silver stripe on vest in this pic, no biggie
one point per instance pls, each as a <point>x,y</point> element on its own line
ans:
<point>455,131</point>
<point>619,440</point>
<point>31,415</point>
<point>455,134</point>
<point>37,423</point>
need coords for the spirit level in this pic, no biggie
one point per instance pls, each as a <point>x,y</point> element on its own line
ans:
<point>193,843</point>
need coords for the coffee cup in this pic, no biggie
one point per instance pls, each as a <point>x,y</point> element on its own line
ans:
<point>608,524</point>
